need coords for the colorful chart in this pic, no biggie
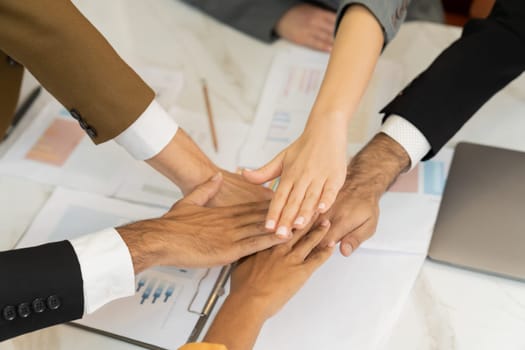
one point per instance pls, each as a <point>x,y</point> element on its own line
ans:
<point>57,143</point>
<point>153,289</point>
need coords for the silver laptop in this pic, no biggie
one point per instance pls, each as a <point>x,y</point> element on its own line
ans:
<point>481,220</point>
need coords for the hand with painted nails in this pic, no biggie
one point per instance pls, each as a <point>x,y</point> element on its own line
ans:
<point>312,171</point>
<point>308,25</point>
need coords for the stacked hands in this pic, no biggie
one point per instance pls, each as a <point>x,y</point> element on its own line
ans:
<point>231,216</point>
<point>316,186</point>
<point>283,237</point>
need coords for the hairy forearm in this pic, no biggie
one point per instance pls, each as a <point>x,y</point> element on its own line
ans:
<point>145,250</point>
<point>355,53</point>
<point>376,166</point>
<point>237,324</point>
<point>183,162</point>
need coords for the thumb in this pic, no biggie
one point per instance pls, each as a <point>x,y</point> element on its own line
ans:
<point>204,192</point>
<point>266,173</point>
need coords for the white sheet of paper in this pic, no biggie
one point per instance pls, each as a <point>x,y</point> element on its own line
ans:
<point>167,84</point>
<point>231,135</point>
<point>158,313</point>
<point>349,303</point>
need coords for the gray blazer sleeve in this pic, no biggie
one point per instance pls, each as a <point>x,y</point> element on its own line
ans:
<point>390,14</point>
<point>255,17</point>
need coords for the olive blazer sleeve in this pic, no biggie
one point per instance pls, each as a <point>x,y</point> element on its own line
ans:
<point>74,62</point>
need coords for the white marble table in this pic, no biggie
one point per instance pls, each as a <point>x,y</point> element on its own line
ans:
<point>448,308</point>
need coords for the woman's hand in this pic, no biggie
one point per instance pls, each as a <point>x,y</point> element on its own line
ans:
<point>312,171</point>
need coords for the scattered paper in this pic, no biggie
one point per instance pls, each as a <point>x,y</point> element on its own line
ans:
<point>349,303</point>
<point>289,93</point>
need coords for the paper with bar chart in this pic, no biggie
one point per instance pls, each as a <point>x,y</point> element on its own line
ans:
<point>289,93</point>
<point>55,150</point>
<point>168,300</point>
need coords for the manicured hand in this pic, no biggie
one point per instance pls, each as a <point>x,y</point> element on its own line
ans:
<point>312,171</point>
<point>308,25</point>
<point>191,235</point>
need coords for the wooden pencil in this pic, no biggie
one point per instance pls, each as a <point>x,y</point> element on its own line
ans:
<point>210,115</point>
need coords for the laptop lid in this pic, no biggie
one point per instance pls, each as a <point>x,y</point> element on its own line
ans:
<point>481,220</point>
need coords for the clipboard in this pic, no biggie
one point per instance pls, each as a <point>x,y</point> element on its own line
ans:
<point>204,315</point>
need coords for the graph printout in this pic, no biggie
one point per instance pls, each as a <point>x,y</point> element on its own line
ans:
<point>289,94</point>
<point>53,149</point>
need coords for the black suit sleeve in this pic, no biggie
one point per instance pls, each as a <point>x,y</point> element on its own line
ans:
<point>39,287</point>
<point>487,57</point>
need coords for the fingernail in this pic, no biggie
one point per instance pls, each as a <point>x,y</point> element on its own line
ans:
<point>248,170</point>
<point>270,224</point>
<point>282,231</point>
<point>331,244</point>
<point>322,206</point>
<point>216,177</point>
<point>325,223</point>
<point>299,221</point>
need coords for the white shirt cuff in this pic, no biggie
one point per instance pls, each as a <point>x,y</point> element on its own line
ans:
<point>149,134</point>
<point>408,136</point>
<point>106,266</point>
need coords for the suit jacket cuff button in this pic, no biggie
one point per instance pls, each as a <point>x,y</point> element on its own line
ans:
<point>9,313</point>
<point>53,302</point>
<point>24,310</point>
